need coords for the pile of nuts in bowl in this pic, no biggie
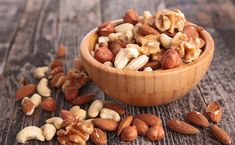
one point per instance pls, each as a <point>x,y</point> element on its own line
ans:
<point>162,41</point>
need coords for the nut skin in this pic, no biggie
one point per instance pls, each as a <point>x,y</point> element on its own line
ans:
<point>129,133</point>
<point>221,134</point>
<point>171,59</point>
<point>124,123</point>
<point>131,17</point>
<point>214,111</point>
<point>56,63</point>
<point>98,137</point>
<point>153,64</point>
<point>27,106</point>
<point>105,124</point>
<point>83,99</point>
<point>155,133</point>
<point>49,104</point>
<point>190,31</point>
<point>182,127</point>
<point>141,126</point>
<point>149,119</point>
<point>66,115</point>
<point>116,45</point>
<point>24,91</point>
<point>116,107</point>
<point>70,93</point>
<point>103,54</point>
<point>198,119</point>
<point>61,51</point>
<point>147,30</point>
<point>105,29</point>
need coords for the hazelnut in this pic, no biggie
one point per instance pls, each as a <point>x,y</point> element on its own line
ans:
<point>171,59</point>
<point>105,29</point>
<point>131,17</point>
<point>129,133</point>
<point>146,30</point>
<point>116,45</point>
<point>103,54</point>
<point>190,31</point>
<point>155,133</point>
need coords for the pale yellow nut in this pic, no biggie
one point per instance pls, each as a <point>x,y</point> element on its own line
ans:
<point>108,63</point>
<point>148,69</point>
<point>137,63</point>
<point>95,108</point>
<point>110,114</point>
<point>28,133</point>
<point>49,131</point>
<point>43,89</point>
<point>36,99</point>
<point>78,113</point>
<point>147,15</point>
<point>124,27</point>
<point>39,72</point>
<point>56,121</point>
<point>114,36</point>
<point>103,39</point>
<point>165,40</point>
<point>177,39</point>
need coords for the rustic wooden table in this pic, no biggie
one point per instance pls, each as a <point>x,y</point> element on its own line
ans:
<point>31,30</point>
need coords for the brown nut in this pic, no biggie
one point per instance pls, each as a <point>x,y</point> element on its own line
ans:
<point>61,51</point>
<point>116,45</point>
<point>182,127</point>
<point>214,111</point>
<point>103,54</point>
<point>146,30</point>
<point>149,119</point>
<point>116,107</point>
<point>198,119</point>
<point>25,91</point>
<point>221,134</point>
<point>105,124</point>
<point>155,133</point>
<point>129,133</point>
<point>105,29</point>
<point>98,137</point>
<point>191,32</point>
<point>131,17</point>
<point>81,100</point>
<point>66,115</point>
<point>141,126</point>
<point>56,63</point>
<point>171,59</point>
<point>153,64</point>
<point>70,93</point>
<point>124,123</point>
<point>49,104</point>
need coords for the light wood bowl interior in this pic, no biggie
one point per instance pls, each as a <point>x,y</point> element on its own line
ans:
<point>146,88</point>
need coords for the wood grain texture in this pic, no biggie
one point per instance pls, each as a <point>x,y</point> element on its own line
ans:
<point>44,24</point>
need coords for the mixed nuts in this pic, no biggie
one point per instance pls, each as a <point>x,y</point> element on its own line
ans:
<point>162,41</point>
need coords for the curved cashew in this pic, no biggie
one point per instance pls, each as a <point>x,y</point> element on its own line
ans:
<point>148,69</point>
<point>147,15</point>
<point>137,63</point>
<point>36,99</point>
<point>114,36</point>
<point>28,133</point>
<point>56,121</point>
<point>78,112</point>
<point>95,108</point>
<point>165,40</point>
<point>124,27</point>
<point>103,39</point>
<point>110,114</point>
<point>108,63</point>
<point>40,72</point>
<point>49,131</point>
<point>43,89</point>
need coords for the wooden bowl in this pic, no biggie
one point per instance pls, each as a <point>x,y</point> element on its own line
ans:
<point>145,88</point>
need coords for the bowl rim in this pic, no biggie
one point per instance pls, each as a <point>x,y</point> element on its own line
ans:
<point>85,54</point>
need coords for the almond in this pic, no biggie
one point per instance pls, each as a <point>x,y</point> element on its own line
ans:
<point>129,133</point>
<point>98,137</point>
<point>221,134</point>
<point>81,100</point>
<point>155,133</point>
<point>103,54</point>
<point>55,79</point>
<point>66,115</point>
<point>124,123</point>
<point>171,59</point>
<point>214,111</point>
<point>49,104</point>
<point>182,127</point>
<point>198,119</point>
<point>149,119</point>
<point>141,126</point>
<point>24,91</point>
<point>70,93</point>
<point>105,124</point>
<point>55,71</point>
<point>153,64</point>
<point>56,63</point>
<point>146,30</point>
<point>116,45</point>
<point>105,29</point>
<point>61,51</point>
<point>131,17</point>
<point>27,106</point>
<point>116,107</point>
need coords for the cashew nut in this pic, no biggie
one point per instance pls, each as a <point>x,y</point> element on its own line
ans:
<point>78,112</point>
<point>40,72</point>
<point>137,63</point>
<point>43,89</point>
<point>28,133</point>
<point>148,69</point>
<point>124,56</point>
<point>124,27</point>
<point>177,39</point>
<point>114,36</point>
<point>108,63</point>
<point>49,131</point>
<point>103,39</point>
<point>133,46</point>
<point>56,121</point>
<point>109,114</point>
<point>147,15</point>
<point>95,108</point>
<point>165,40</point>
<point>36,99</point>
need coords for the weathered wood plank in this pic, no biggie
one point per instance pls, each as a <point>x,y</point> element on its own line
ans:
<point>10,13</point>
